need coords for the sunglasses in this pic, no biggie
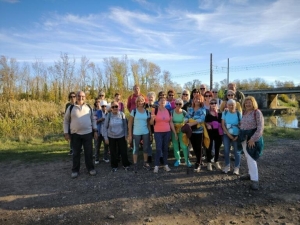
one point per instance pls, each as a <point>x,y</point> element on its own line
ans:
<point>214,92</point>
<point>230,95</point>
<point>101,95</point>
<point>196,92</point>
<point>178,104</point>
<point>171,95</point>
<point>212,103</point>
<point>115,107</point>
<point>202,88</point>
<point>73,96</point>
<point>185,94</point>
<point>207,96</point>
<point>103,105</point>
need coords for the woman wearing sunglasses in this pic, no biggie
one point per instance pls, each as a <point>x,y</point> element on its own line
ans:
<point>214,127</point>
<point>178,115</point>
<point>230,95</point>
<point>115,135</point>
<point>207,97</point>
<point>195,92</point>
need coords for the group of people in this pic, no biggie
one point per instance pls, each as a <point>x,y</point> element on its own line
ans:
<point>200,121</point>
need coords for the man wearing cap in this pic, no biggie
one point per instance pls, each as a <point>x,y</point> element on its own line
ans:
<point>100,116</point>
<point>83,128</point>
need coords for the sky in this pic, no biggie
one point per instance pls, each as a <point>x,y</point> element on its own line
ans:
<point>260,37</point>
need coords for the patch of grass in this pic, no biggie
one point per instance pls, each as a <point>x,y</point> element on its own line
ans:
<point>272,133</point>
<point>35,150</point>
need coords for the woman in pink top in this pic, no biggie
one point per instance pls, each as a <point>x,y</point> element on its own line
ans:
<point>162,120</point>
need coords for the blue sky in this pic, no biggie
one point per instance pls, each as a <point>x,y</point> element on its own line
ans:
<point>177,35</point>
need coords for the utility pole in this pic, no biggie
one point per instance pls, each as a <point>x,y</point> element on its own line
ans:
<point>211,72</point>
<point>227,71</point>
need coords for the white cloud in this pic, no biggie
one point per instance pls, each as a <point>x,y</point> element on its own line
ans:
<point>10,1</point>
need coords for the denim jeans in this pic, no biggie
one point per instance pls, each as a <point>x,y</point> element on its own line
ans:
<point>98,146</point>
<point>237,154</point>
<point>162,140</point>
<point>136,143</point>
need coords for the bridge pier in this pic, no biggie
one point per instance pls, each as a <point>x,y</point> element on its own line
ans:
<point>272,101</point>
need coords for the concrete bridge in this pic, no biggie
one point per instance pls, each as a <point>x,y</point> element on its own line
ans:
<point>268,98</point>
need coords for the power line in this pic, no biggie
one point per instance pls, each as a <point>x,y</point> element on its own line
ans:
<point>221,69</point>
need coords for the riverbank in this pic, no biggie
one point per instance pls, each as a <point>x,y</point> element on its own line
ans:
<point>43,193</point>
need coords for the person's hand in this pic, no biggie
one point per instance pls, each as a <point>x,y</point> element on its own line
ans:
<point>106,142</point>
<point>67,137</point>
<point>176,137</point>
<point>95,135</point>
<point>251,144</point>
<point>129,138</point>
<point>208,127</point>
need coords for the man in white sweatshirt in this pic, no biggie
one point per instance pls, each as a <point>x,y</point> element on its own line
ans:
<point>83,129</point>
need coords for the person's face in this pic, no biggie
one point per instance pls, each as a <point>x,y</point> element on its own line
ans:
<point>162,102</point>
<point>207,97</point>
<point>197,101</point>
<point>72,98</point>
<point>140,103</point>
<point>103,108</point>
<point>213,104</point>
<point>170,96</point>
<point>136,89</point>
<point>249,104</point>
<point>178,105</point>
<point>202,89</point>
<point>118,97</point>
<point>101,96</point>
<point>231,87</point>
<point>184,96</point>
<point>98,104</point>
<point>230,95</point>
<point>215,93</point>
<point>231,107</point>
<point>151,98</point>
<point>195,93</point>
<point>114,108</point>
<point>80,98</point>
<point>161,95</point>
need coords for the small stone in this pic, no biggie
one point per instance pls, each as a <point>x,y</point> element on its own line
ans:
<point>281,217</point>
<point>111,217</point>
<point>233,222</point>
<point>149,219</point>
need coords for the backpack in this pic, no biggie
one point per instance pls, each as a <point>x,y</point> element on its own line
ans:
<point>91,110</point>
<point>134,112</point>
<point>238,115</point>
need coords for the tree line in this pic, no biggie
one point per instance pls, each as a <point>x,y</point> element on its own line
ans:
<point>44,82</point>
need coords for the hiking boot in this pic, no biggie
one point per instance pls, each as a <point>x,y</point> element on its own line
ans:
<point>96,162</point>
<point>245,177</point>
<point>209,167</point>
<point>106,160</point>
<point>226,169</point>
<point>146,166</point>
<point>236,171</point>
<point>167,168</point>
<point>254,185</point>
<point>92,172</point>
<point>74,174</point>
<point>217,165</point>
<point>155,169</point>
<point>177,163</point>
<point>114,170</point>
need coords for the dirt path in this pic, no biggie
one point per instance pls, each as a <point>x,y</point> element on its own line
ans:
<point>45,194</point>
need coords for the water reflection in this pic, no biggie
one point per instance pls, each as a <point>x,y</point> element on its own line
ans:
<point>290,121</point>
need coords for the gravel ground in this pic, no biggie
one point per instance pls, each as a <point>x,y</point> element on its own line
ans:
<point>44,193</point>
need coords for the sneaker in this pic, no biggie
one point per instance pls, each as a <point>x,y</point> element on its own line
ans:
<point>236,171</point>
<point>167,168</point>
<point>70,153</point>
<point>114,170</point>
<point>245,177</point>
<point>106,160</point>
<point>189,164</point>
<point>209,167</point>
<point>146,166</point>
<point>190,155</point>
<point>217,165</point>
<point>74,174</point>
<point>254,185</point>
<point>92,172</point>
<point>135,168</point>
<point>226,169</point>
<point>155,169</point>
<point>177,163</point>
<point>97,162</point>
<point>197,168</point>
